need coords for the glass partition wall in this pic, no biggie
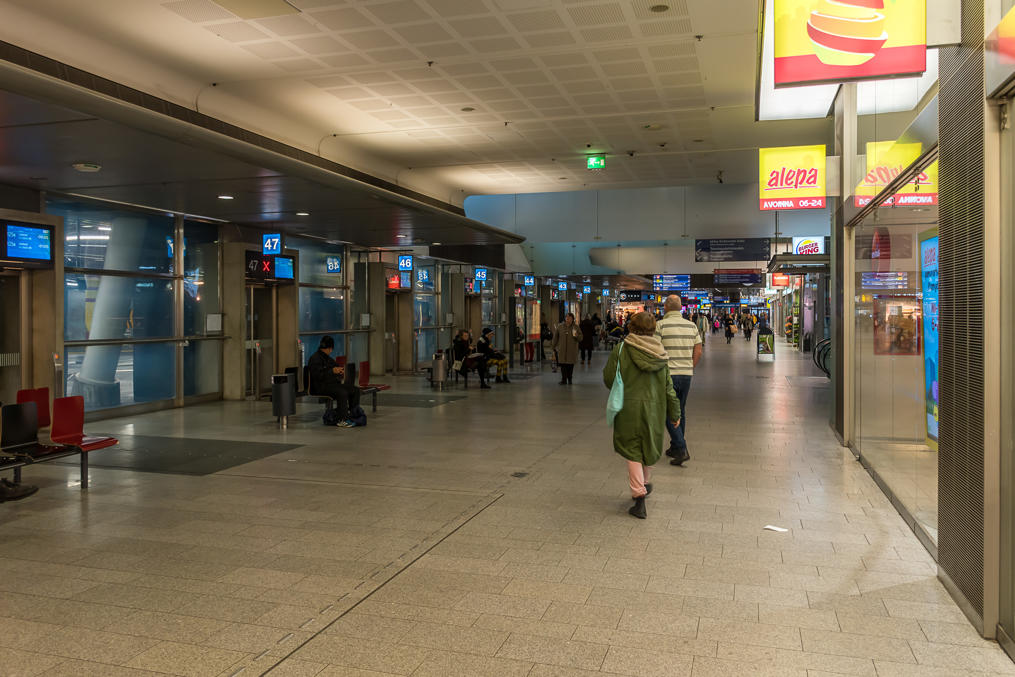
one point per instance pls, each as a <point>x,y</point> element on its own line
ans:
<point>139,289</point>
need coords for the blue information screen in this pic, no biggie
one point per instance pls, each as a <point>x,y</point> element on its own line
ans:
<point>333,264</point>
<point>405,263</point>
<point>671,282</point>
<point>530,280</point>
<point>283,268</point>
<point>271,244</point>
<point>929,281</point>
<point>29,242</point>
<point>405,280</point>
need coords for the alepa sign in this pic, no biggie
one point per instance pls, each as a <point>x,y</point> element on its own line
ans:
<point>792,177</point>
<point>885,161</point>
<point>836,40</point>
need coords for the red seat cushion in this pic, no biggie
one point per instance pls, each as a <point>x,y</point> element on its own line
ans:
<point>93,443</point>
<point>378,386</point>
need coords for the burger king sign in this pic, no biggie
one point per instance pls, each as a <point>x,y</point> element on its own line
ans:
<point>808,245</point>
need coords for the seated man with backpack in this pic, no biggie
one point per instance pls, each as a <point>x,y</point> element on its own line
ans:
<point>493,357</point>
<point>327,380</point>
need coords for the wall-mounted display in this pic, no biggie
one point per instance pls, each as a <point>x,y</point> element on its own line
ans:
<point>895,280</point>
<point>733,249</point>
<point>929,287</point>
<point>671,282</point>
<point>896,325</point>
<point>27,243</point>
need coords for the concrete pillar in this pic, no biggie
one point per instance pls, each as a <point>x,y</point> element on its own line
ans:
<point>287,321</point>
<point>234,304</point>
<point>375,283</point>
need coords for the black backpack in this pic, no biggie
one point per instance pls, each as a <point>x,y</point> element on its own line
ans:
<point>331,417</point>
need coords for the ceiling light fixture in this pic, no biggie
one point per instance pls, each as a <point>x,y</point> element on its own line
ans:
<point>87,167</point>
<point>436,244</point>
<point>659,9</point>
<point>468,109</point>
<point>225,197</point>
<point>302,213</point>
<point>401,236</point>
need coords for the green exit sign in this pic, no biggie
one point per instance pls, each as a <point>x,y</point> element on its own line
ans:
<point>596,162</point>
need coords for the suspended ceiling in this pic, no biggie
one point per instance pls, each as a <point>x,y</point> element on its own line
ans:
<point>380,85</point>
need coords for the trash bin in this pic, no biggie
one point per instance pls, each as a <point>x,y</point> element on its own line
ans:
<point>283,397</point>
<point>439,370</point>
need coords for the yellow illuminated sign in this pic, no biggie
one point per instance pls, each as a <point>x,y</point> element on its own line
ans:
<point>792,177</point>
<point>885,161</point>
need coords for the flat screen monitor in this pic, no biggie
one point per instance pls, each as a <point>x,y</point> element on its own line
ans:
<point>28,243</point>
<point>405,280</point>
<point>284,268</point>
<point>671,282</point>
<point>894,280</point>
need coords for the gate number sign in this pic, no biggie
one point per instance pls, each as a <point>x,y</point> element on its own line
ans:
<point>272,244</point>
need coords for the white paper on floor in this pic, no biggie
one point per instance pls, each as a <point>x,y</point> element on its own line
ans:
<point>771,527</point>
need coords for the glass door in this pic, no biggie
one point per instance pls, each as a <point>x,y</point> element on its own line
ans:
<point>260,335</point>
<point>10,337</point>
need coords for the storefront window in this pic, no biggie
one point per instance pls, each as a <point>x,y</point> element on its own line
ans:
<point>896,355</point>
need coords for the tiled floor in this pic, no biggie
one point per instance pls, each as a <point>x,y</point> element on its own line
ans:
<point>411,548</point>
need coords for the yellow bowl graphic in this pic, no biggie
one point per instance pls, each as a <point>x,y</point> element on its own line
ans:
<point>847,32</point>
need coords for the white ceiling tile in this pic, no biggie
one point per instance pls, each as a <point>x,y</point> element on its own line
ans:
<point>453,98</point>
<point>542,20</point>
<point>624,84</point>
<point>397,55</point>
<point>623,69</point>
<point>572,73</point>
<point>371,77</point>
<point>319,45</point>
<point>585,86</point>
<point>271,50</point>
<point>481,27</point>
<point>467,68</point>
<point>617,54</point>
<point>412,100</point>
<point>371,104</point>
<point>597,15</point>
<point>349,60</point>
<point>237,31</point>
<point>423,34</point>
<point>287,26</point>
<point>607,34</point>
<point>198,10</point>
<point>526,78</point>
<point>398,12</point>
<point>433,87</point>
<point>674,28</point>
<point>392,89</point>
<point>342,19</point>
<point>522,64</point>
<point>555,39</point>
<point>530,91</point>
<point>494,45</point>
<point>444,49</point>
<point>446,8</point>
<point>471,82</point>
<point>298,65</point>
<point>565,59</point>
<point>371,39</point>
<point>349,93</point>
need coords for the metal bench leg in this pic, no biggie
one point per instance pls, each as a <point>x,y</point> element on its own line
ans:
<point>17,475</point>
<point>84,469</point>
<point>373,409</point>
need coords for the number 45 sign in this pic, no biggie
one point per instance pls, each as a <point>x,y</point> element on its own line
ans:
<point>272,244</point>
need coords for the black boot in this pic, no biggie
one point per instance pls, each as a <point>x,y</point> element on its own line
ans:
<point>648,488</point>
<point>638,509</point>
<point>680,458</point>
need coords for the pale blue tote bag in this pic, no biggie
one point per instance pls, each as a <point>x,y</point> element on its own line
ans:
<point>615,402</point>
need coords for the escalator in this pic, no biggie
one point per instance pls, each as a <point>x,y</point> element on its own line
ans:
<point>821,354</point>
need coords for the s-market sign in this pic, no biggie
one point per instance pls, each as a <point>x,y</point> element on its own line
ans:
<point>791,177</point>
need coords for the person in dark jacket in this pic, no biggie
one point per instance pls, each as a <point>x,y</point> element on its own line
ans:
<point>327,380</point>
<point>471,359</point>
<point>494,358</point>
<point>649,402</point>
<point>588,328</point>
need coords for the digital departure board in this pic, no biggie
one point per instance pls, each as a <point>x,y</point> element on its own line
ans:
<point>28,243</point>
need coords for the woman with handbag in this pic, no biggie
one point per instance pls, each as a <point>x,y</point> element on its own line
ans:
<point>641,400</point>
<point>565,345</point>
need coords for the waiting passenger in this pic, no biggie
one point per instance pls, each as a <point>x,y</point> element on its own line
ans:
<point>566,338</point>
<point>649,402</point>
<point>494,358</point>
<point>327,380</point>
<point>468,359</point>
<point>588,328</point>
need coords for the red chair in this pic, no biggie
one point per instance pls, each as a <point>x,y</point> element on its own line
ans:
<point>41,398</point>
<point>364,378</point>
<point>68,428</point>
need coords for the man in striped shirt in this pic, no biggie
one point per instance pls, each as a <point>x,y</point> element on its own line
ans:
<point>682,341</point>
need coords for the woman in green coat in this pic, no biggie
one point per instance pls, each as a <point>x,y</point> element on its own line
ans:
<point>649,399</point>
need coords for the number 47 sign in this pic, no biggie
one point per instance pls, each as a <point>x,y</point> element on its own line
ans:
<point>272,244</point>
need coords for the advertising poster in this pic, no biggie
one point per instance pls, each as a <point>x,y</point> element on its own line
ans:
<point>885,161</point>
<point>766,344</point>
<point>806,246</point>
<point>836,40</point>
<point>791,177</point>
<point>896,325</point>
<point>733,249</point>
<point>534,308</point>
<point>929,282</point>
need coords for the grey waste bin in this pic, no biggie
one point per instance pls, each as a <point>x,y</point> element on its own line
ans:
<point>283,397</point>
<point>439,370</point>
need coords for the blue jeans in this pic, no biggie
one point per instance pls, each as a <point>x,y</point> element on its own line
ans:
<point>682,384</point>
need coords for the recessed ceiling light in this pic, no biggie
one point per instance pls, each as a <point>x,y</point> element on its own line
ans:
<point>436,244</point>
<point>225,197</point>
<point>659,9</point>
<point>87,167</point>
<point>302,213</point>
<point>562,178</point>
<point>698,140</point>
<point>401,236</point>
<point>468,109</point>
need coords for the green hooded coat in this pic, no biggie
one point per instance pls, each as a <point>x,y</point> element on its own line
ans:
<point>649,399</point>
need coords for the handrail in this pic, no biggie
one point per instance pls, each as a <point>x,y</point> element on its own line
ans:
<point>820,355</point>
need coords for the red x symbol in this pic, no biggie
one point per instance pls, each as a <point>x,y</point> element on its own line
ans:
<point>266,265</point>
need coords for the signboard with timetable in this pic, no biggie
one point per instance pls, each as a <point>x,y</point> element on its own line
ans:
<point>837,40</point>
<point>271,244</point>
<point>733,249</point>
<point>791,177</point>
<point>805,246</point>
<point>738,277</point>
<point>671,282</point>
<point>28,244</point>
<point>405,262</point>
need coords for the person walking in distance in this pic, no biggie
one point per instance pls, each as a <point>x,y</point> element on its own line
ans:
<point>588,329</point>
<point>649,399</point>
<point>566,338</point>
<point>682,342</point>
